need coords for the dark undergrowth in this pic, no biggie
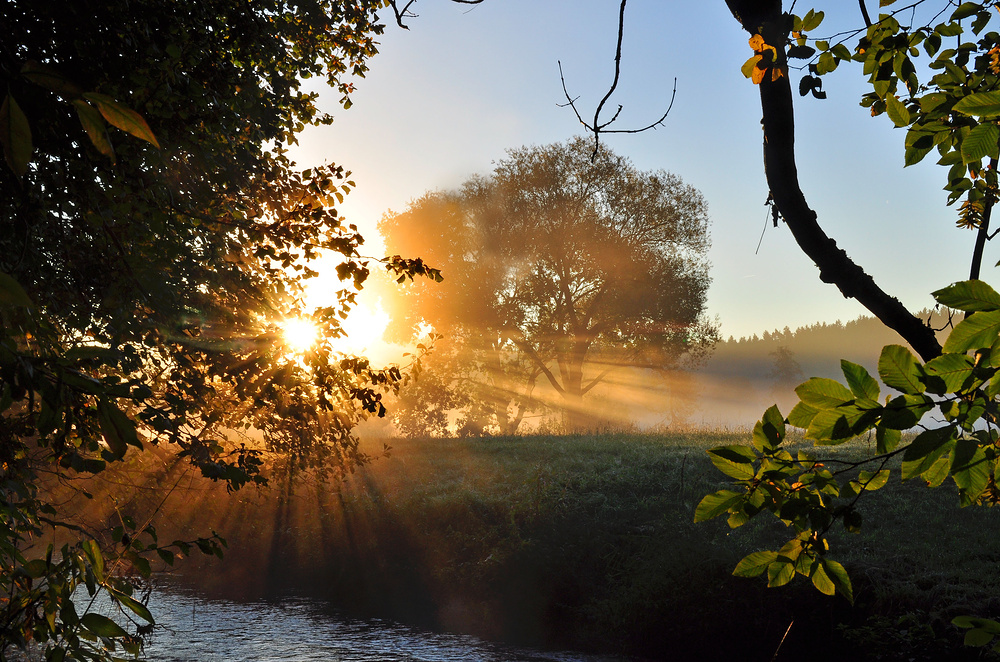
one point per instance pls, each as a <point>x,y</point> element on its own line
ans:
<point>587,542</point>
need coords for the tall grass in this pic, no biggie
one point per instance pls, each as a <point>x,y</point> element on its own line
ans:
<point>588,542</point>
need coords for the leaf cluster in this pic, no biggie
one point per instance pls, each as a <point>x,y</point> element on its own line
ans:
<point>810,494</point>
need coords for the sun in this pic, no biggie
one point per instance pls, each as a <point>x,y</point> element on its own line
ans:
<point>300,334</point>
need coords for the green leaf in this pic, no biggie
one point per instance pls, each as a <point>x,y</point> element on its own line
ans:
<point>952,371</point>
<point>905,411</point>
<point>862,384</point>
<point>900,370</point>
<point>840,578</point>
<point>734,461</point>
<point>965,10</point>
<point>977,638</point>
<point>93,124</point>
<point>896,111</point>
<point>134,605</point>
<point>975,332</point>
<point>986,624</point>
<point>886,439</point>
<point>873,480</point>
<point>970,470</point>
<point>822,581</point>
<point>12,294</point>
<point>780,572</point>
<point>716,504</point>
<point>980,104</point>
<point>802,415</point>
<point>124,118</point>
<point>102,626</point>
<point>15,136</point>
<point>823,393</point>
<point>968,295</point>
<point>753,565</point>
<point>36,568</point>
<point>93,552</point>
<point>840,424</point>
<point>117,428</point>
<point>924,450</point>
<point>980,143</point>
<point>811,20</point>
<point>769,431</point>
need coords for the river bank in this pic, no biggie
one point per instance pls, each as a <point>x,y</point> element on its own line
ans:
<point>588,543</point>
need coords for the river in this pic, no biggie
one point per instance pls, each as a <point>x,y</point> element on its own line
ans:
<point>194,628</point>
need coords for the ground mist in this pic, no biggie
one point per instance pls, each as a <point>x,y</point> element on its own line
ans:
<point>588,542</point>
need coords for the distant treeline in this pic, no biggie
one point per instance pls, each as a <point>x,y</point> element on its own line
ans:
<point>743,377</point>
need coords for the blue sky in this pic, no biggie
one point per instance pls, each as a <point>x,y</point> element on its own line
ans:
<point>446,98</point>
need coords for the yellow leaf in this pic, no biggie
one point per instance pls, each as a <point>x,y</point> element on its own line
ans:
<point>124,118</point>
<point>757,43</point>
<point>750,66</point>
<point>95,128</point>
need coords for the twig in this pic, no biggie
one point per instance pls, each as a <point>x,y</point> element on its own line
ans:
<point>596,127</point>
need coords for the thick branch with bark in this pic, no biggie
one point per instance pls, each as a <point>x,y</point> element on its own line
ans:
<point>835,266</point>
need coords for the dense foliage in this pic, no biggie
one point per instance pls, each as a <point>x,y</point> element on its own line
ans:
<point>144,278</point>
<point>564,268</point>
<point>950,398</point>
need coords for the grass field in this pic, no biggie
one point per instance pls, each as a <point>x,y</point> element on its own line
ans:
<point>588,542</point>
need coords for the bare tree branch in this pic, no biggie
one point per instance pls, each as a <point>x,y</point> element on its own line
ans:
<point>406,13</point>
<point>596,127</point>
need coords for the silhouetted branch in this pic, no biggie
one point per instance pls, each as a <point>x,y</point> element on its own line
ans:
<point>406,13</point>
<point>864,13</point>
<point>596,127</point>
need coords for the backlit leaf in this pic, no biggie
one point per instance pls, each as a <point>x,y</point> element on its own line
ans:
<point>95,127</point>
<point>952,370</point>
<point>780,573</point>
<point>969,295</point>
<point>896,111</point>
<point>754,564</point>
<point>769,432</point>
<point>862,384</point>
<point>823,393</point>
<point>124,118</point>
<point>899,369</point>
<point>716,504</point>
<point>980,104</point>
<point>924,450</point>
<point>841,580</point>
<point>980,143</point>
<point>974,332</point>
<point>117,428</point>
<point>734,461</point>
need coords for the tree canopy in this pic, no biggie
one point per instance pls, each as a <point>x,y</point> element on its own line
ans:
<point>562,267</point>
<point>157,236</point>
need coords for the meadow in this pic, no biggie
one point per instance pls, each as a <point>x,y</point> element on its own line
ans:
<point>587,542</point>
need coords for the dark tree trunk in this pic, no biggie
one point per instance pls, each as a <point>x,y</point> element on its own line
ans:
<point>766,18</point>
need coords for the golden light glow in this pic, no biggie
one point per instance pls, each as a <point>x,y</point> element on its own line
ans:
<point>364,327</point>
<point>300,334</point>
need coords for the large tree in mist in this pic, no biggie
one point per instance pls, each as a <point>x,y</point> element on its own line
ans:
<point>563,268</point>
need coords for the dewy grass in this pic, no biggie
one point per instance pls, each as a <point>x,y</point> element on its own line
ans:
<point>588,541</point>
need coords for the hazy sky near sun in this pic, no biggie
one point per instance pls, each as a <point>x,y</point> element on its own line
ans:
<point>446,98</point>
